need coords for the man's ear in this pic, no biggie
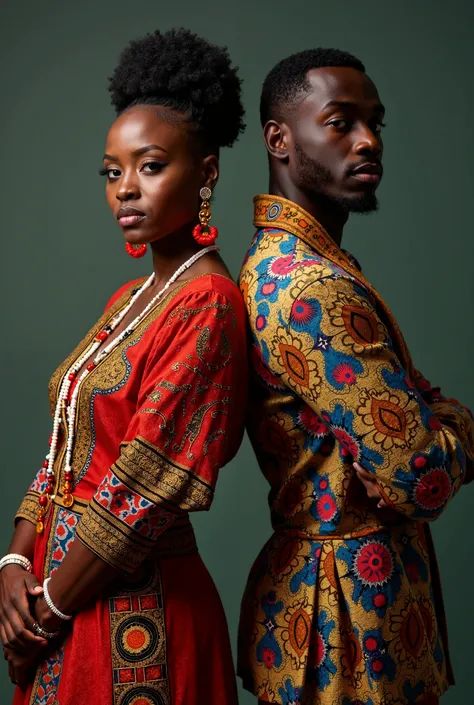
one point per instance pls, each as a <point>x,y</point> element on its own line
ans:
<point>276,137</point>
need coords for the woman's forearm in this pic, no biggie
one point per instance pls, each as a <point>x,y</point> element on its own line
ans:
<point>81,577</point>
<point>24,538</point>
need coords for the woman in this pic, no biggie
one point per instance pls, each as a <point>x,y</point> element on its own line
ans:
<point>145,411</point>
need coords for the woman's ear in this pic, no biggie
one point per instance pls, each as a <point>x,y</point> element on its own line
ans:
<point>210,171</point>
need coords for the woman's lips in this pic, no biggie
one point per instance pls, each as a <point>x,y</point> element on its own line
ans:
<point>127,220</point>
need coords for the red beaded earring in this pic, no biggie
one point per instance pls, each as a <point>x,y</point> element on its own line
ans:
<point>135,251</point>
<point>204,233</point>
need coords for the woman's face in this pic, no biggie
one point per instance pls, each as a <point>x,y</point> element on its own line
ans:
<point>154,171</point>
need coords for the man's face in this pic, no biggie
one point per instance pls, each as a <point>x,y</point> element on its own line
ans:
<point>334,145</point>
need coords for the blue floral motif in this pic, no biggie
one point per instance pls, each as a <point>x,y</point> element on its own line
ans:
<point>341,369</point>
<point>309,572</point>
<point>350,444</point>
<point>289,694</point>
<point>305,315</point>
<point>268,651</point>
<point>412,693</point>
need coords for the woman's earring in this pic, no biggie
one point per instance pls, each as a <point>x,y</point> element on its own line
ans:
<point>204,233</point>
<point>135,251</point>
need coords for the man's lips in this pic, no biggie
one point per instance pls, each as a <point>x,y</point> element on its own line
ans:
<point>370,173</point>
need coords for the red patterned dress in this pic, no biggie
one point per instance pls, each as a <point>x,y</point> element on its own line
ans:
<point>343,605</point>
<point>156,420</point>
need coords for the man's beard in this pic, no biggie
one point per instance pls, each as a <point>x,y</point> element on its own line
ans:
<point>313,176</point>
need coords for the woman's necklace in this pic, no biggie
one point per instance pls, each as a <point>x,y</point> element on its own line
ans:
<point>70,377</point>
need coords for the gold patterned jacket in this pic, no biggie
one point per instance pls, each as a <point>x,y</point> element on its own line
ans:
<point>343,603</point>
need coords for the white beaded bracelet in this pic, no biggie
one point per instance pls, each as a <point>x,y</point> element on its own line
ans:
<point>51,605</point>
<point>16,559</point>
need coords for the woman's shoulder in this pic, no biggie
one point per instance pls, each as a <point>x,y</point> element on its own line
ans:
<point>210,286</point>
<point>203,296</point>
<point>196,292</point>
<point>123,290</point>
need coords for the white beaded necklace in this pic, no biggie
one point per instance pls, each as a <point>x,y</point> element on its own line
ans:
<point>71,375</point>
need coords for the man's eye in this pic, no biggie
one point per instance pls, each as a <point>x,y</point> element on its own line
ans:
<point>379,127</point>
<point>340,124</point>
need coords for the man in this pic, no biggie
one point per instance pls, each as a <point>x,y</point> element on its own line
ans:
<point>343,604</point>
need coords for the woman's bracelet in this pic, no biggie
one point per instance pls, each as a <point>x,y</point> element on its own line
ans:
<point>39,631</point>
<point>51,605</point>
<point>16,559</point>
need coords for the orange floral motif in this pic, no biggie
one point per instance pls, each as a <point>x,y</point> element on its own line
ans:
<point>361,325</point>
<point>352,660</point>
<point>299,365</point>
<point>296,637</point>
<point>328,581</point>
<point>353,318</point>
<point>390,424</point>
<point>410,643</point>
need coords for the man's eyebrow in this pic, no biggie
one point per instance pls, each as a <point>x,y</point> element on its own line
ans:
<point>377,108</point>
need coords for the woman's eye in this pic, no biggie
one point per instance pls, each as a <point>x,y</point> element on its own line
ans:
<point>110,173</point>
<point>152,167</point>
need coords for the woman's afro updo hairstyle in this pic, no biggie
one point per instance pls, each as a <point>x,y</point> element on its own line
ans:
<point>180,70</point>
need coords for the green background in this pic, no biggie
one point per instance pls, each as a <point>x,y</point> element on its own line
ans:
<point>62,255</point>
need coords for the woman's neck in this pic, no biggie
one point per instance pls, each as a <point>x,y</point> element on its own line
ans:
<point>170,252</point>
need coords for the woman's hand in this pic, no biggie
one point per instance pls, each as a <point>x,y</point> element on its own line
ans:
<point>20,662</point>
<point>17,588</point>
<point>19,665</point>
<point>45,617</point>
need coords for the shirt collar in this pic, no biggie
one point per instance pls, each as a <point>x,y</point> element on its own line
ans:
<point>282,214</point>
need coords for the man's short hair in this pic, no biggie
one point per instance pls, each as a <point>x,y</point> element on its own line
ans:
<point>287,82</point>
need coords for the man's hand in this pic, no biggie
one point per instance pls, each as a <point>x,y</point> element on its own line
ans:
<point>370,484</point>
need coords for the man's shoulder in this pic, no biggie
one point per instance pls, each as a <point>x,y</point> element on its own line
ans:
<point>278,265</point>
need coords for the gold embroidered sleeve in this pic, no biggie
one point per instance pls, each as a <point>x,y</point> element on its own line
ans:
<point>28,509</point>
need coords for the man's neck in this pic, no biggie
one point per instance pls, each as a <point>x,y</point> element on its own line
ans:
<point>326,213</point>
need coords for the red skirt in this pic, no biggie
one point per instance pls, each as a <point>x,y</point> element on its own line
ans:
<point>158,638</point>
